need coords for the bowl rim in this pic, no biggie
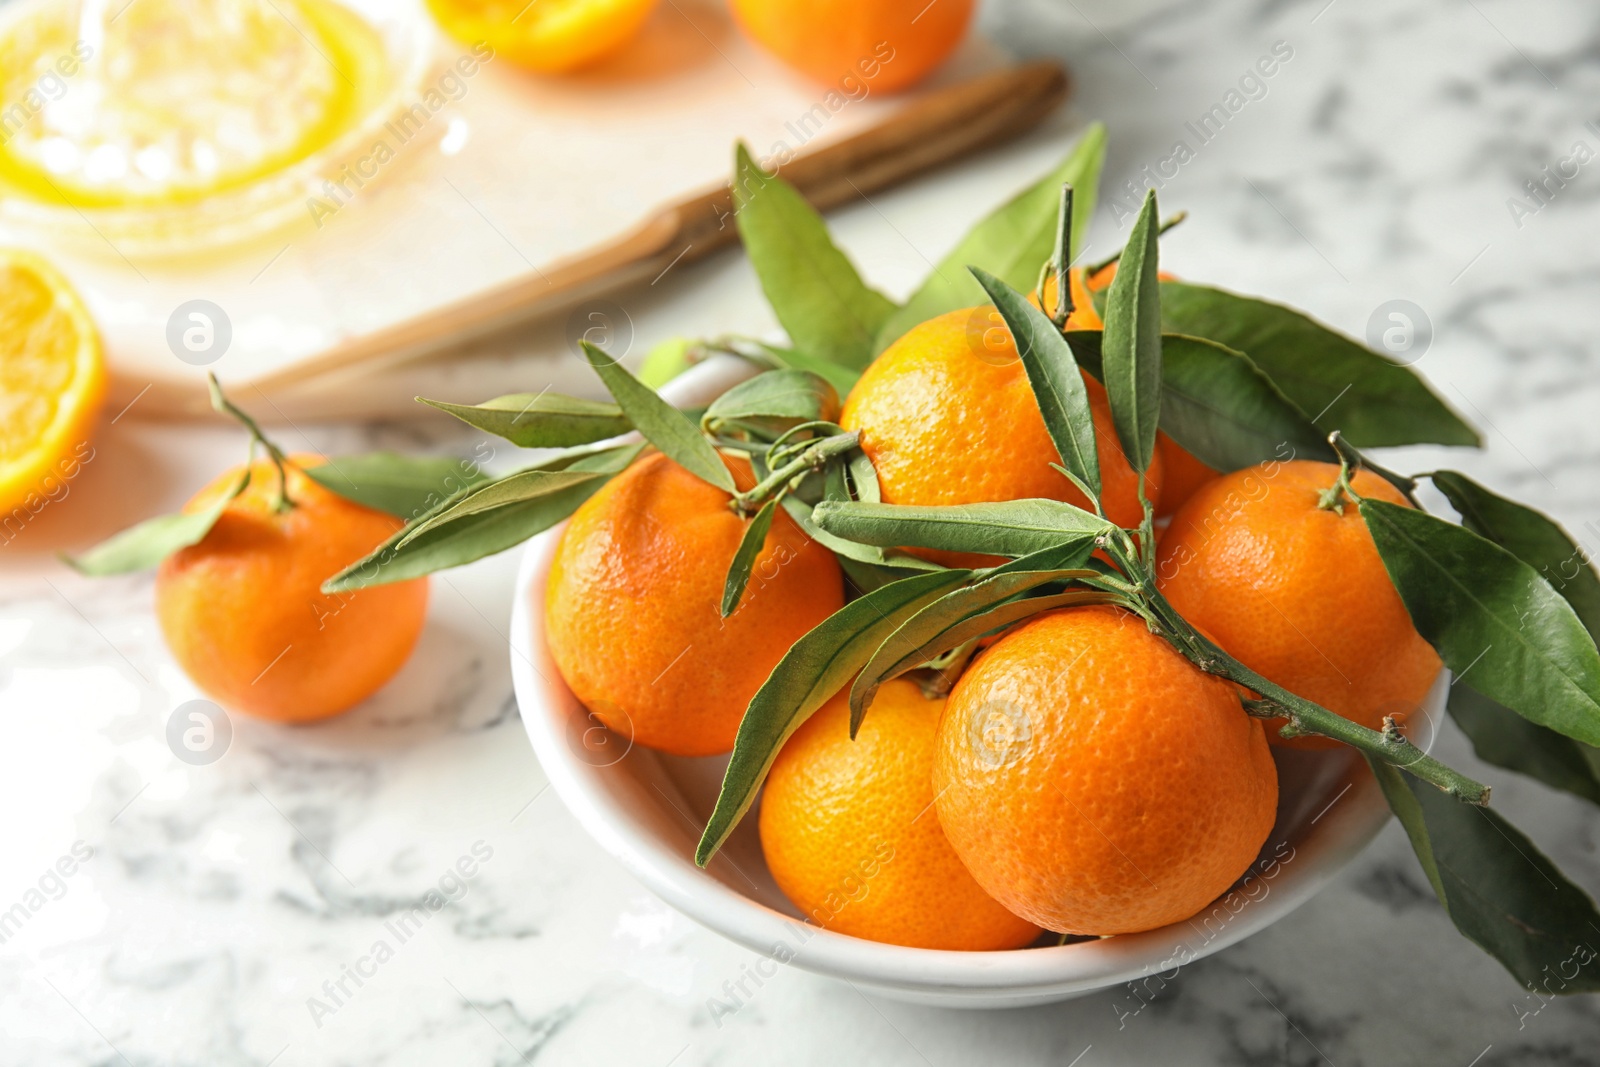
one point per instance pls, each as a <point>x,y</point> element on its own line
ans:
<point>542,697</point>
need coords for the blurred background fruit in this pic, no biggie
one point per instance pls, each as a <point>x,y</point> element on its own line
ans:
<point>244,613</point>
<point>548,36</point>
<point>633,606</point>
<point>852,837</point>
<point>52,382</point>
<point>1287,579</point>
<point>883,44</point>
<point>1094,781</point>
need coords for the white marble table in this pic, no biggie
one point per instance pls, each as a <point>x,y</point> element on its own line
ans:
<point>215,900</point>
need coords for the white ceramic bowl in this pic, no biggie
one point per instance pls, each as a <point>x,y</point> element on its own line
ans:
<point>648,809</point>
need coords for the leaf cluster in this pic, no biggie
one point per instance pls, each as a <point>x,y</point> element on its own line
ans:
<point>1507,598</point>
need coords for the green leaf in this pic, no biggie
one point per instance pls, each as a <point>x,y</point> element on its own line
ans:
<point>1011,243</point>
<point>1498,889</point>
<point>1343,385</point>
<point>815,667</point>
<point>823,304</point>
<point>406,486</point>
<point>1131,345</point>
<point>1532,537</point>
<point>1009,528</point>
<point>870,555</point>
<point>516,488</point>
<point>1218,405</point>
<point>960,616</point>
<point>432,543</point>
<point>1054,375</point>
<point>659,422</point>
<point>665,362</point>
<point>144,546</point>
<point>1492,618</point>
<point>843,379</point>
<point>864,477</point>
<point>541,420</point>
<point>1502,737</point>
<point>744,557</point>
<point>774,401</point>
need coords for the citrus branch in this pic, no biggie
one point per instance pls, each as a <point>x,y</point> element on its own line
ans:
<point>224,406</point>
<point>1273,701</point>
<point>812,457</point>
<point>1063,309</point>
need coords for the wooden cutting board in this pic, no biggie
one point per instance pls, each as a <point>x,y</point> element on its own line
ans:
<point>521,197</point>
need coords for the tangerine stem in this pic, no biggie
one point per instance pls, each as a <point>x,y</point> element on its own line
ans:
<point>223,406</point>
<point>812,457</point>
<point>1063,310</point>
<point>1339,493</point>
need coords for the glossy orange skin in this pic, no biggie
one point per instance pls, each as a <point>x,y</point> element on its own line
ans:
<point>1296,592</point>
<point>1181,475</point>
<point>851,835</point>
<point>947,416</point>
<point>632,606</point>
<point>244,614</point>
<point>883,45</point>
<point>1094,781</point>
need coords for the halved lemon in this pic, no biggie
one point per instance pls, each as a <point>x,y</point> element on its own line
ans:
<point>52,383</point>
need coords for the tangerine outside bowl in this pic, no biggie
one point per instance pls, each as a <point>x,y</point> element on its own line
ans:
<point>647,809</point>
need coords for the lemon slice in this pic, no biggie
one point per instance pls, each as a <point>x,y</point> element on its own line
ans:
<point>52,383</point>
<point>169,101</point>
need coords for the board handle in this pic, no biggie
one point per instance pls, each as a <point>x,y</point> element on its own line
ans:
<point>936,128</point>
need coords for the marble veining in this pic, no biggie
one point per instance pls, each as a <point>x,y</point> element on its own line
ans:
<point>306,899</point>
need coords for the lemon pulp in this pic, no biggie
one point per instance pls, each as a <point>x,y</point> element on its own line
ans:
<point>106,103</point>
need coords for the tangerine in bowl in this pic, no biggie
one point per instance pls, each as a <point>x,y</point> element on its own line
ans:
<point>648,809</point>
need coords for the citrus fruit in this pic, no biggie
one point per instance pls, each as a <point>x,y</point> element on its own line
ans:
<point>947,416</point>
<point>855,45</point>
<point>851,835</point>
<point>633,606</point>
<point>170,102</point>
<point>52,382</point>
<point>1094,781</point>
<point>1296,591</point>
<point>1181,475</point>
<point>548,36</point>
<point>244,613</point>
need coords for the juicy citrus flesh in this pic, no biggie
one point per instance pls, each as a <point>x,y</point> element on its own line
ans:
<point>549,36</point>
<point>632,606</point>
<point>1094,781</point>
<point>882,45</point>
<point>947,416</point>
<point>243,610</point>
<point>1298,592</point>
<point>852,838</point>
<point>52,380</point>
<point>179,101</point>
